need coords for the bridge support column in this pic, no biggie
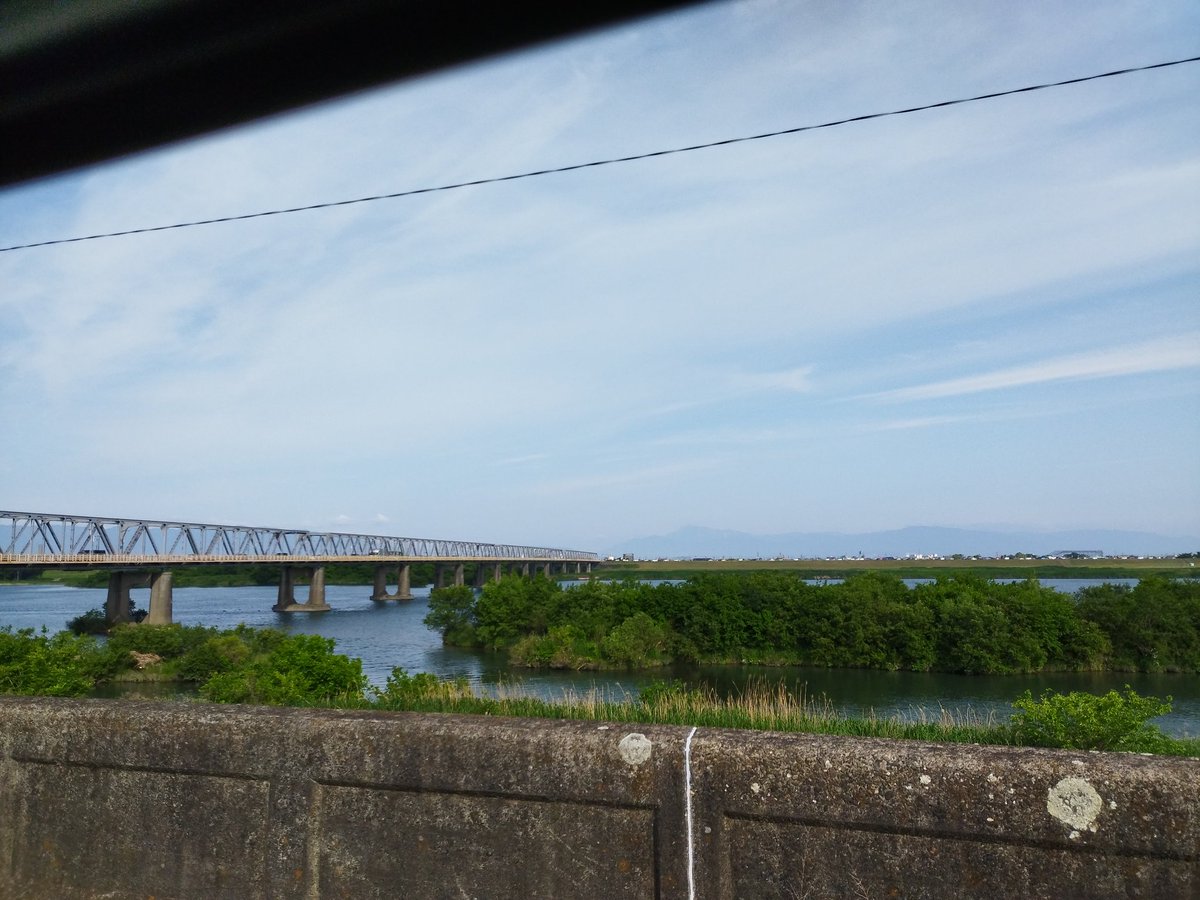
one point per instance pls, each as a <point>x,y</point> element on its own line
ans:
<point>497,574</point>
<point>160,599</point>
<point>480,575</point>
<point>439,575</point>
<point>116,604</point>
<point>403,583</point>
<point>458,574</point>
<point>287,591</point>
<point>547,568</point>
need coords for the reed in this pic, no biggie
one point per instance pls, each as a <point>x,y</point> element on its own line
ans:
<point>760,706</point>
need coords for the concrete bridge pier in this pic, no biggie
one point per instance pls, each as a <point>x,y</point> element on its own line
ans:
<point>547,569</point>
<point>161,599</point>
<point>287,591</point>
<point>459,569</point>
<point>403,583</point>
<point>116,603</point>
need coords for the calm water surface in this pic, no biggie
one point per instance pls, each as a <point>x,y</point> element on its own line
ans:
<point>392,634</point>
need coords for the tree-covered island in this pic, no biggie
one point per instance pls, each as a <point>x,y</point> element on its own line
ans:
<point>958,623</point>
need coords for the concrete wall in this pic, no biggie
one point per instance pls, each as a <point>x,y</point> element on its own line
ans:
<point>132,799</point>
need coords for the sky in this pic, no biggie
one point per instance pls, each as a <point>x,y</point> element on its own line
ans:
<point>984,315</point>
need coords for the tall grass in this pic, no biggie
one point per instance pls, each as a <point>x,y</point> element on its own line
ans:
<point>760,706</point>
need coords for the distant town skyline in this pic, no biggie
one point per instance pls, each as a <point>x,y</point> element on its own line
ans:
<point>964,317</point>
<point>912,542</point>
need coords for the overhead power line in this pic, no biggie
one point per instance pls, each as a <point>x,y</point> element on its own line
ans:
<point>608,162</point>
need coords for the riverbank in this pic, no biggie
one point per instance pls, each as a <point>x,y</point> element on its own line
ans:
<point>389,635</point>
<point>269,667</point>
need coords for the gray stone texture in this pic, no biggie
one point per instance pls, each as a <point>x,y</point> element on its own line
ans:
<point>130,799</point>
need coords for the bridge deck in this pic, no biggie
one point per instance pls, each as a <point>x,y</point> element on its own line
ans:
<point>106,560</point>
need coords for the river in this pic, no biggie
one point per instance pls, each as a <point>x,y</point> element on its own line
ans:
<point>387,635</point>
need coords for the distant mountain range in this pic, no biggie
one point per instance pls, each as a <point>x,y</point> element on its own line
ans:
<point>693,541</point>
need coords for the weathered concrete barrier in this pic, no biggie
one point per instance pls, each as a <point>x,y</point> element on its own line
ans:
<point>134,799</point>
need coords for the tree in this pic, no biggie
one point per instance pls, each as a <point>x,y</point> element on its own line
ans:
<point>452,612</point>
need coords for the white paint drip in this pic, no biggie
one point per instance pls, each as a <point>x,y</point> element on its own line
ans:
<point>687,810</point>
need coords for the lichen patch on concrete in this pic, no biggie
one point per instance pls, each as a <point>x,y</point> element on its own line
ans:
<point>1073,801</point>
<point>635,748</point>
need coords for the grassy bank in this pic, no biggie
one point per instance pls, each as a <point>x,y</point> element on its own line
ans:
<point>1114,721</point>
<point>263,666</point>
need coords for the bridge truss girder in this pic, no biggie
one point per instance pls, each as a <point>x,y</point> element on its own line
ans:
<point>25,534</point>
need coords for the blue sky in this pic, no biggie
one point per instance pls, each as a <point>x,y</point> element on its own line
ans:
<point>983,315</point>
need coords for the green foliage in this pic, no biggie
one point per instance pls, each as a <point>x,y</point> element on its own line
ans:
<point>452,612</point>
<point>298,670</point>
<point>90,622</point>
<point>958,623</point>
<point>219,653</point>
<point>657,691</point>
<point>403,690</point>
<point>1154,627</point>
<point>637,642</point>
<point>164,640</point>
<point>61,665</point>
<point>562,647</point>
<point>1114,721</point>
<point>513,607</point>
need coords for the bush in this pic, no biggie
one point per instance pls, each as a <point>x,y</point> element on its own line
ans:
<point>220,653</point>
<point>167,641</point>
<point>1114,721</point>
<point>90,622</point>
<point>402,690</point>
<point>562,647</point>
<point>39,665</point>
<point>300,670</point>
<point>637,642</point>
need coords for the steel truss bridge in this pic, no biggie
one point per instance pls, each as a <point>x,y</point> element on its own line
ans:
<point>92,541</point>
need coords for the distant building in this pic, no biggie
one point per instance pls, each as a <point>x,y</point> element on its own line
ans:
<point>1079,554</point>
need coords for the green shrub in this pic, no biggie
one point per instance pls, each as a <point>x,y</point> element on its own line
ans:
<point>41,665</point>
<point>562,647</point>
<point>220,653</point>
<point>167,641</point>
<point>402,690</point>
<point>90,622</point>
<point>637,642</point>
<point>299,670</point>
<point>1113,721</point>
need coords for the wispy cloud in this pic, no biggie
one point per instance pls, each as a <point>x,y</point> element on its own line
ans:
<point>798,380</point>
<point>662,473</point>
<point>1161,355</point>
<point>520,460</point>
